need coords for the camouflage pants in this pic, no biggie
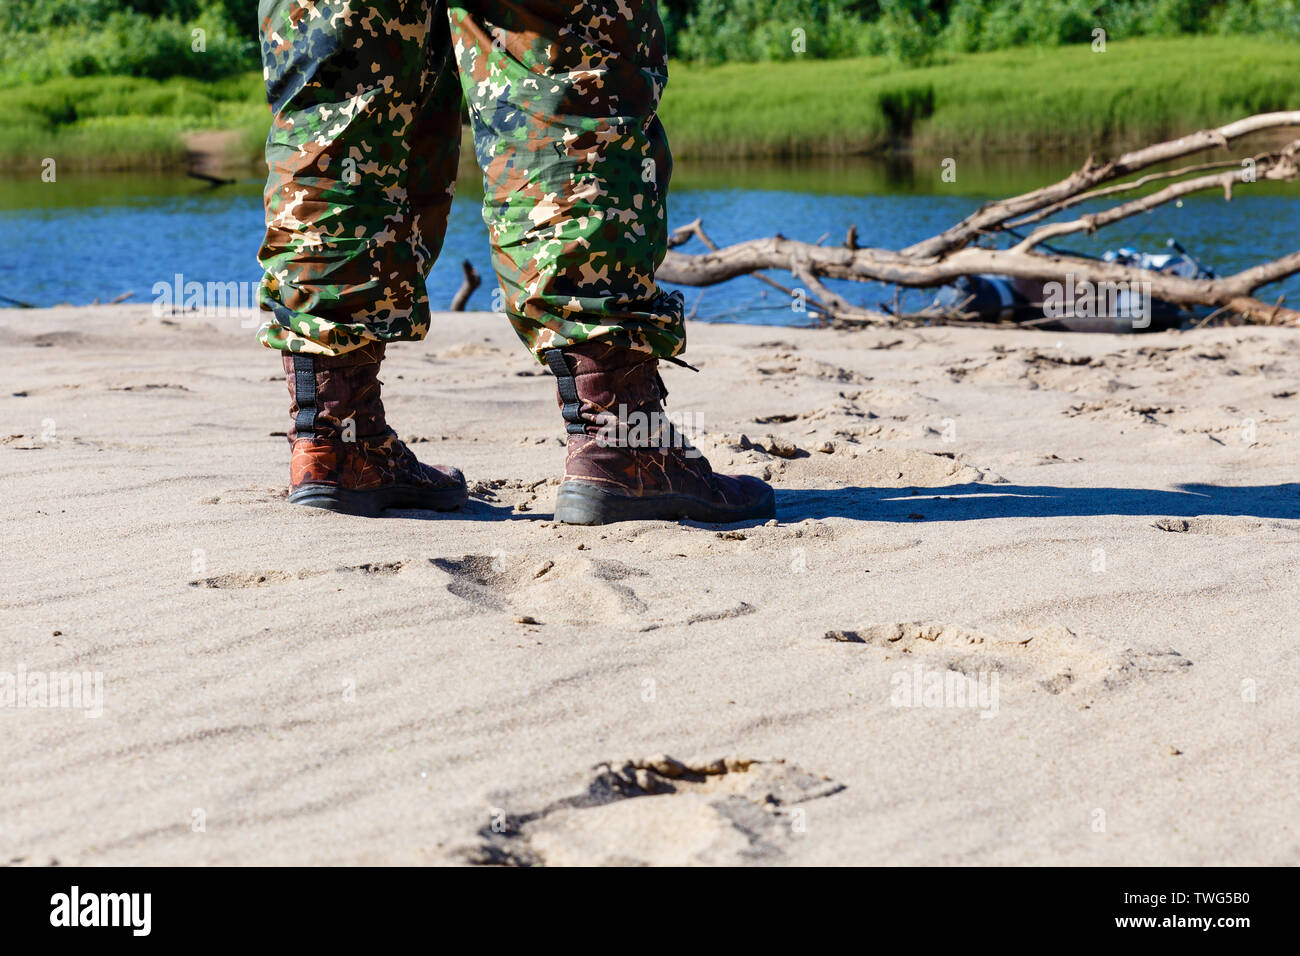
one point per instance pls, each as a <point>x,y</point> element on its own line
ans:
<point>364,144</point>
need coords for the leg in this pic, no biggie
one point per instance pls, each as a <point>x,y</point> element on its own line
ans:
<point>362,158</point>
<point>562,96</point>
<point>563,99</point>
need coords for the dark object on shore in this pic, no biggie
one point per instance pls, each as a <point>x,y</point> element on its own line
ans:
<point>214,181</point>
<point>1077,307</point>
<point>472,282</point>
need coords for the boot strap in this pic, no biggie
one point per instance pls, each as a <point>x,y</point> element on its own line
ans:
<point>663,389</point>
<point>681,362</point>
<point>304,395</point>
<point>568,388</point>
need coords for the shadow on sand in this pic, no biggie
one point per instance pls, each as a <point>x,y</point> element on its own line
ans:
<point>977,501</point>
<point>971,502</point>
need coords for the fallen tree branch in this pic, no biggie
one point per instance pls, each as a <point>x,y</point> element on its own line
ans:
<point>1281,168</point>
<point>950,255</point>
<point>1123,188</point>
<point>472,282</point>
<point>696,228</point>
<point>208,178</point>
<point>992,215</point>
<point>883,265</point>
<point>837,307</point>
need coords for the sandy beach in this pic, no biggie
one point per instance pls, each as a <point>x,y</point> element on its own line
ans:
<point>1095,536</point>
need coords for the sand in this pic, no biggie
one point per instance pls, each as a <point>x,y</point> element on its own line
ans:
<point>1097,535</point>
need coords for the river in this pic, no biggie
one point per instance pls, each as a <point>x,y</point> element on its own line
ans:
<point>87,237</point>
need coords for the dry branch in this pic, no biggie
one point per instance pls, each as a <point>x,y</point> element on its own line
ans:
<point>467,287</point>
<point>1279,168</point>
<point>952,254</point>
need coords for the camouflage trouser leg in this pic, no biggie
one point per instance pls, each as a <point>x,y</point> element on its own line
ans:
<point>362,156</point>
<point>563,96</point>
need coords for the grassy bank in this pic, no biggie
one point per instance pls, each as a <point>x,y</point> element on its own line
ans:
<point>115,123</point>
<point>1068,97</point>
<point>1014,100</point>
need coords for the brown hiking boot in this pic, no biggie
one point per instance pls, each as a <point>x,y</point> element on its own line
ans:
<point>625,461</point>
<point>345,457</point>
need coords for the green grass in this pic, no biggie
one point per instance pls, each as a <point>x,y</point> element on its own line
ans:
<point>1066,98</point>
<point>109,123</point>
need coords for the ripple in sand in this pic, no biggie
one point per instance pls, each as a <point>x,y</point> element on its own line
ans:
<point>1038,657</point>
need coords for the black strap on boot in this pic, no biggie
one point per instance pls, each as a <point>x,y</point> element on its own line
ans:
<point>572,408</point>
<point>304,395</point>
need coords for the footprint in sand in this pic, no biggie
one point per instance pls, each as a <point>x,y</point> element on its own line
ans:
<point>1051,657</point>
<point>247,496</point>
<point>478,578</point>
<point>570,589</point>
<point>908,468</point>
<point>249,579</point>
<point>663,812</point>
<point>260,579</point>
<point>1221,526</point>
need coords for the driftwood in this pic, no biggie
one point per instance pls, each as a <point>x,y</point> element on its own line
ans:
<point>472,282</point>
<point>957,251</point>
<point>209,178</point>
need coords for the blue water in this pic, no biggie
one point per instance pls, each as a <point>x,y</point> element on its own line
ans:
<point>99,237</point>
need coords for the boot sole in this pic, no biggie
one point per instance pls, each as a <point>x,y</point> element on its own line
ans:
<point>372,503</point>
<point>582,503</point>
